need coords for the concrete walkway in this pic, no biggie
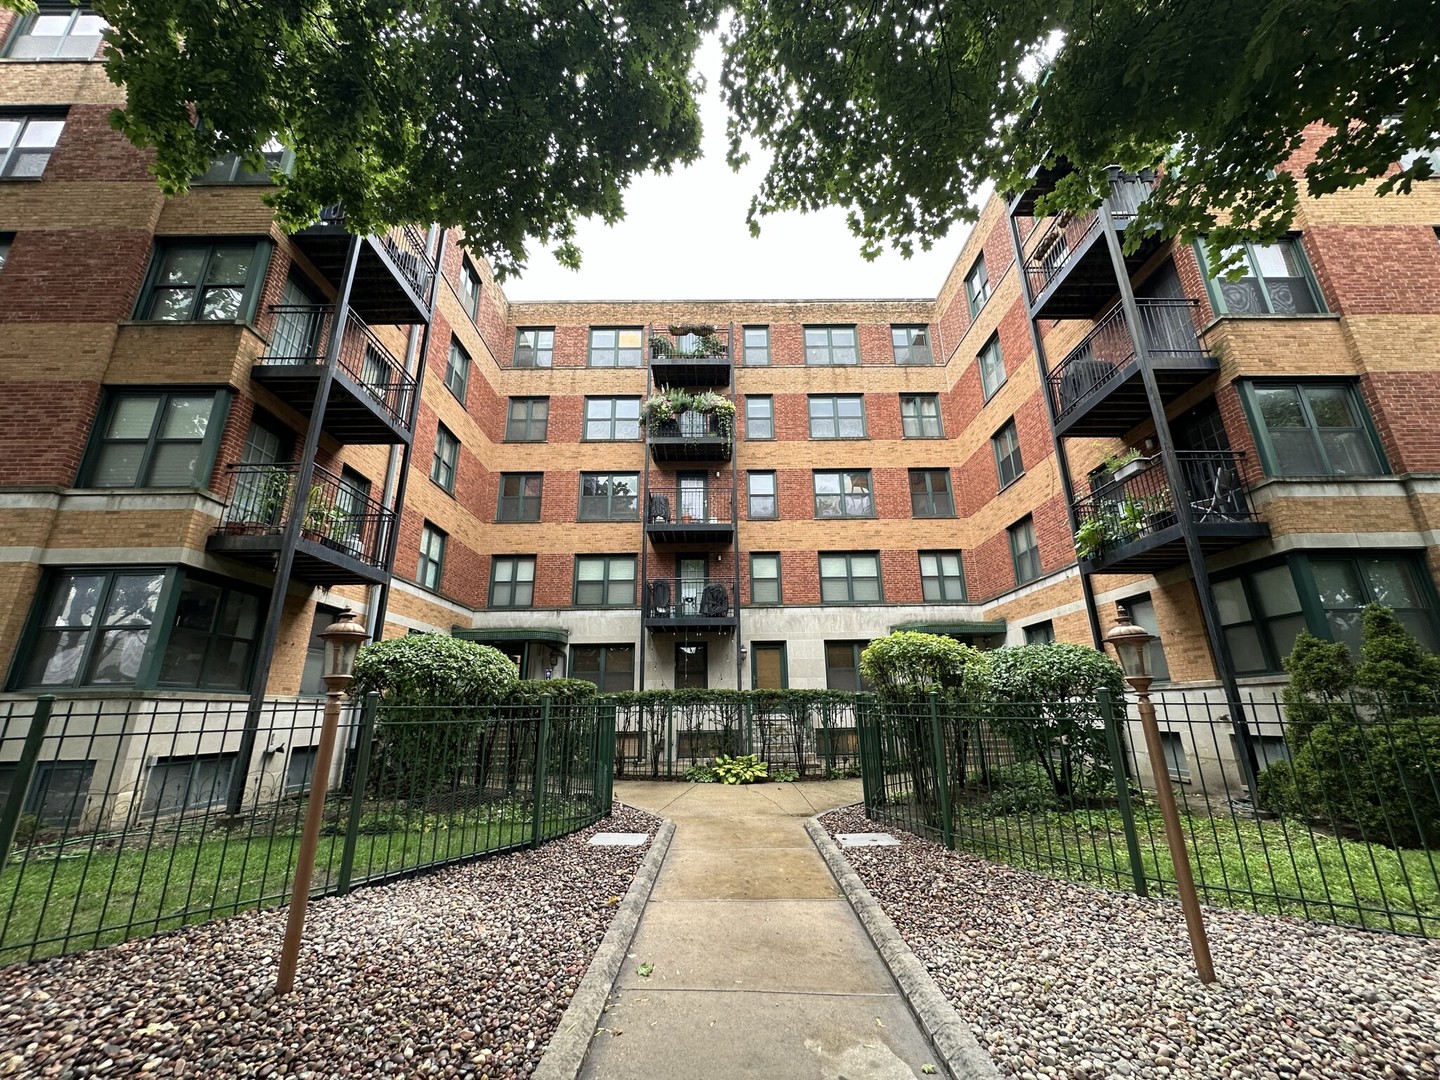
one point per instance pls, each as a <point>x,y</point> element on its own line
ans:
<point>758,966</point>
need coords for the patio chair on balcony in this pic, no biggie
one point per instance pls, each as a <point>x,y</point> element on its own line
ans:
<point>1221,502</point>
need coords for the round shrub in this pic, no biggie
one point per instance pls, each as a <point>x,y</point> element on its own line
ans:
<point>909,664</point>
<point>1053,675</point>
<point>433,669</point>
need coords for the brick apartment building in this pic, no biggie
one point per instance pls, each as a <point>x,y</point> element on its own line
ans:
<point>179,372</point>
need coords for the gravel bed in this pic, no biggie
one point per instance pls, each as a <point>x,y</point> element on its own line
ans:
<point>1078,983</point>
<point>464,972</point>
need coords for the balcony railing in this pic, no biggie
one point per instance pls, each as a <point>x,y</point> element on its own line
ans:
<point>695,601</point>
<point>259,501</point>
<point>405,244</point>
<point>666,346</point>
<point>688,425</point>
<point>1171,330</point>
<point>302,336</point>
<point>1050,247</point>
<point>1210,489</point>
<point>690,504</point>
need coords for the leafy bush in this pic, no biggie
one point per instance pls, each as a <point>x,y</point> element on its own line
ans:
<point>908,664</point>
<point>26,829</point>
<point>701,774</point>
<point>784,776</point>
<point>1322,676</point>
<point>1023,788</point>
<point>741,769</point>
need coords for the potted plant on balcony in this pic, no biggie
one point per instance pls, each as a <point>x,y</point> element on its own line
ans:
<point>710,403</point>
<point>258,503</point>
<point>665,407</point>
<point>1125,464</point>
<point>324,519</point>
<point>700,330</point>
<point>1090,537</point>
<point>661,347</point>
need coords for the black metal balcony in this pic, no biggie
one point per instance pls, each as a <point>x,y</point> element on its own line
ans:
<point>1134,526</point>
<point>1097,389</point>
<point>1067,261</point>
<point>690,513</point>
<point>393,275</point>
<point>691,436</point>
<point>372,395</point>
<point>689,604</point>
<point>343,532</point>
<point>691,359</point>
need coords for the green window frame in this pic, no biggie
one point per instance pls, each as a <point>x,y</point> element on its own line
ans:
<point>512,581</point>
<point>842,665</point>
<point>844,493</point>
<point>26,142</point>
<point>930,494</point>
<point>609,496</point>
<point>155,438</point>
<point>139,627</point>
<point>58,790</point>
<point>1312,427</point>
<point>1276,279</point>
<point>832,346</point>
<point>1040,633</point>
<point>610,667</point>
<point>445,463</point>
<point>616,347</point>
<point>201,281</point>
<point>942,577</point>
<point>534,347</point>
<point>837,416</point>
<point>1345,584</point>
<point>430,566</point>
<point>527,419</point>
<point>1024,550</point>
<point>457,371</point>
<point>275,158</point>
<point>977,285</point>
<point>850,577</point>
<point>761,496</point>
<point>470,290</point>
<point>759,416</point>
<point>182,783</point>
<point>920,416</point>
<point>765,587</point>
<point>1009,464</point>
<point>757,346</point>
<point>605,581</point>
<point>612,419</point>
<point>56,32</point>
<point>1142,613</point>
<point>520,496</point>
<point>991,362</point>
<point>912,346</point>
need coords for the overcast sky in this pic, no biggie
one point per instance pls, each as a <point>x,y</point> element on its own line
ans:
<point>684,238</point>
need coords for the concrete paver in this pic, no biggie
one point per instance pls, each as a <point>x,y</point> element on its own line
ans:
<point>757,966</point>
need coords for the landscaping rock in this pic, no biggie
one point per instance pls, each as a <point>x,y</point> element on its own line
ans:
<point>461,973</point>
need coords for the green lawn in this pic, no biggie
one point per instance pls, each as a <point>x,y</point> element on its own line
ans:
<point>84,898</point>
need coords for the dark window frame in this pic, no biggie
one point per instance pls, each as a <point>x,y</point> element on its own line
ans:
<point>514,582</point>
<point>209,445</point>
<point>940,577</point>
<point>445,468</point>
<point>1262,289</point>
<point>751,495</point>
<point>529,421</point>
<point>26,22</point>
<point>851,577</point>
<point>520,506</point>
<point>616,351</point>
<point>612,420</point>
<point>778,579</point>
<point>989,359</point>
<point>977,298</point>
<point>843,495</point>
<point>829,348</point>
<point>606,580</point>
<point>469,290</point>
<point>541,354</point>
<point>761,354</point>
<point>1264,441</point>
<point>750,418</point>
<point>604,657</point>
<point>11,154</point>
<point>1040,633</point>
<point>1021,559</point>
<point>458,372</point>
<point>918,421</point>
<point>609,496</point>
<point>257,271</point>
<point>1009,463</point>
<point>909,349</point>
<point>856,648</point>
<point>428,559</point>
<point>931,494</point>
<point>834,401</point>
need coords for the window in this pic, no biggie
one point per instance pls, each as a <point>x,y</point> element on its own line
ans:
<point>447,457</point>
<point>768,669</point>
<point>26,143</point>
<point>942,577</point>
<point>512,581</point>
<point>609,496</point>
<point>6,239</point>
<point>520,496</point>
<point>992,367</point>
<point>67,34</point>
<point>605,581</point>
<point>1347,585</point>
<point>1275,281</point>
<point>844,494</point>
<point>299,769</point>
<point>457,370</point>
<point>612,419</point>
<point>528,419</point>
<point>1176,762</point>
<point>609,667</point>
<point>534,347</point>
<point>977,285</point>
<point>692,665</point>
<point>212,637</point>
<point>1024,551</point>
<point>760,417</point>
<point>177,784</point>
<point>311,683</point>
<point>58,790</point>
<point>757,346</point>
<point>1009,466</point>
<point>156,439</point>
<point>1312,429</point>
<point>232,168</point>
<point>842,665</point>
<point>831,345</point>
<point>470,290</point>
<point>204,282</point>
<point>930,493</point>
<point>431,569</point>
<point>1040,633</point>
<point>760,489</point>
<point>1261,615</point>
<point>920,416</point>
<point>837,416</point>
<point>1142,613</point>
<point>912,345</point>
<point>764,577</point>
<point>849,578</point>
<point>616,348</point>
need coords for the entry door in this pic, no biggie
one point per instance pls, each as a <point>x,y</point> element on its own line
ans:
<point>692,584</point>
<point>691,493</point>
<point>769,669</point>
<point>692,665</point>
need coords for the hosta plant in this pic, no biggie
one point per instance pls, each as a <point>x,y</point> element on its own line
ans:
<point>740,769</point>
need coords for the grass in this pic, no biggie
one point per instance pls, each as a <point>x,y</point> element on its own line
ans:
<point>52,902</point>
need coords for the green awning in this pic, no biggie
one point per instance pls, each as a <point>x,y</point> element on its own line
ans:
<point>554,635</point>
<point>954,629</point>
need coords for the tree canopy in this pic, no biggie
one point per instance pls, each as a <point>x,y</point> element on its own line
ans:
<point>899,111</point>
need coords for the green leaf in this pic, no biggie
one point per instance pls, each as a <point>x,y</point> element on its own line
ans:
<point>644,970</point>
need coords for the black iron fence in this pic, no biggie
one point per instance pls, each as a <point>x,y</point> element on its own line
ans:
<point>1343,824</point>
<point>113,821</point>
